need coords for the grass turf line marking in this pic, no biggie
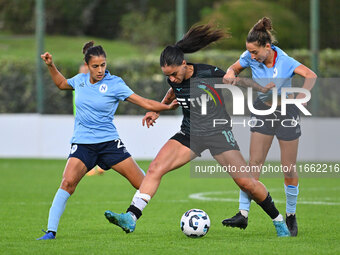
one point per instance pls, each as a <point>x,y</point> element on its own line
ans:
<point>204,196</point>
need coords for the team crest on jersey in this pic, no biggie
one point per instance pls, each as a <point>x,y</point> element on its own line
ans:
<point>275,72</point>
<point>74,148</point>
<point>103,88</point>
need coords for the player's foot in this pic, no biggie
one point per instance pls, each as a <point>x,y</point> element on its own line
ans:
<point>123,220</point>
<point>238,221</point>
<point>292,224</point>
<point>47,236</point>
<point>281,228</point>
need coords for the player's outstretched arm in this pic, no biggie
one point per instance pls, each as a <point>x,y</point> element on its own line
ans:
<point>151,117</point>
<point>151,105</point>
<point>58,79</point>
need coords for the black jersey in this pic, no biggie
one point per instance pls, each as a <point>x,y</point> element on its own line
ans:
<point>190,95</point>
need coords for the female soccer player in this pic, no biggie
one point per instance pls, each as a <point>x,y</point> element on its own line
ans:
<point>187,81</point>
<point>95,139</point>
<point>270,63</point>
<point>96,170</point>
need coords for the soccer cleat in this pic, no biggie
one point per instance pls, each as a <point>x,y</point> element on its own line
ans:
<point>292,224</point>
<point>47,236</point>
<point>281,228</point>
<point>238,221</point>
<point>123,220</point>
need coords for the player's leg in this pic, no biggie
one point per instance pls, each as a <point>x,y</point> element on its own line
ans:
<point>288,136</point>
<point>74,171</point>
<point>114,155</point>
<point>259,147</point>
<point>172,155</point>
<point>288,160</point>
<point>131,171</point>
<point>254,188</point>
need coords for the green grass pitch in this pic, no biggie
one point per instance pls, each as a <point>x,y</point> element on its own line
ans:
<point>27,187</point>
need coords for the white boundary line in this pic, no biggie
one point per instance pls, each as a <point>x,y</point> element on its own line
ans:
<point>206,196</point>
<point>203,196</point>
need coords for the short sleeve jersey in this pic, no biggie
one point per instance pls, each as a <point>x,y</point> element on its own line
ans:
<point>188,94</point>
<point>281,73</point>
<point>96,105</point>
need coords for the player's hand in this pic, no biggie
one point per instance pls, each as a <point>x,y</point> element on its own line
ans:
<point>268,87</point>
<point>174,105</point>
<point>47,57</point>
<point>150,118</point>
<point>301,96</point>
<point>229,78</point>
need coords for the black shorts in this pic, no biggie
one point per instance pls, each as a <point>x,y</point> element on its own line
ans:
<point>284,127</point>
<point>216,144</point>
<point>105,154</point>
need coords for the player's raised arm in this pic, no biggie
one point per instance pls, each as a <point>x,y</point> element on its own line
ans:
<point>58,79</point>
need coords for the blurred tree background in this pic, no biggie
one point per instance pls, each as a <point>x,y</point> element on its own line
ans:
<point>134,32</point>
<point>152,22</point>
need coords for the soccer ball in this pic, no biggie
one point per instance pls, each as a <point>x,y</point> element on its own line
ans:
<point>195,223</point>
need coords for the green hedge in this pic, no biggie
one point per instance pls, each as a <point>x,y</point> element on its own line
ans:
<point>144,76</point>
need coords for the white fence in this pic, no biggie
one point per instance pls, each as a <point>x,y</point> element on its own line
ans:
<point>48,136</point>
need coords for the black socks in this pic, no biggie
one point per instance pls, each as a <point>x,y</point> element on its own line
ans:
<point>135,211</point>
<point>269,207</point>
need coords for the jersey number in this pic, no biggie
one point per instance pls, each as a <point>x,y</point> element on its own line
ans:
<point>229,136</point>
<point>118,141</point>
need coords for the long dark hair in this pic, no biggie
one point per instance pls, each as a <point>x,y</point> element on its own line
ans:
<point>89,50</point>
<point>261,32</point>
<point>195,39</point>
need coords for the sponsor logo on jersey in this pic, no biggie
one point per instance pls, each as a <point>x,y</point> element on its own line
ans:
<point>211,95</point>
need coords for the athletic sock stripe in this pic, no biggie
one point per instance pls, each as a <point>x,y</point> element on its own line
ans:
<point>135,211</point>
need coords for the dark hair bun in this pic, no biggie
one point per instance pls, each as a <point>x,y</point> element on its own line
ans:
<point>263,24</point>
<point>87,46</point>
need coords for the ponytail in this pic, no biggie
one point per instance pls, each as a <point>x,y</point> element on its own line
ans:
<point>261,32</point>
<point>195,39</point>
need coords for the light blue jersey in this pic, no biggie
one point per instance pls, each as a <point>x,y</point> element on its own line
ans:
<point>281,73</point>
<point>96,105</point>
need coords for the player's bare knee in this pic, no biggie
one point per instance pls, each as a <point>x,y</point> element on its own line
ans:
<point>154,170</point>
<point>247,185</point>
<point>68,186</point>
